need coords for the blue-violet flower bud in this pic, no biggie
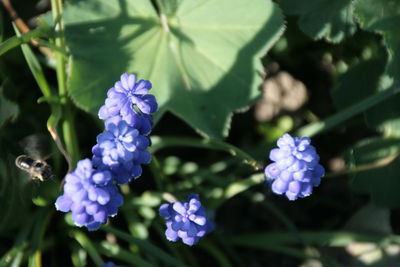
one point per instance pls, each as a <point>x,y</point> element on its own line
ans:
<point>295,169</point>
<point>186,220</point>
<point>125,96</point>
<point>90,199</point>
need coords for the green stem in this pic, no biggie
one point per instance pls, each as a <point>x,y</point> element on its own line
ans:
<point>67,124</point>
<point>18,40</point>
<point>144,245</point>
<point>383,162</point>
<point>322,126</point>
<point>164,142</point>
<point>242,185</point>
<point>41,222</point>
<point>70,137</point>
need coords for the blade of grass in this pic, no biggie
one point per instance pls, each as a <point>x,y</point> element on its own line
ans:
<point>85,243</point>
<point>238,187</point>
<point>321,238</point>
<point>229,249</point>
<point>146,246</point>
<point>35,67</point>
<point>12,254</point>
<point>116,252</point>
<point>17,252</point>
<point>41,80</point>
<point>20,39</point>
<point>161,233</point>
<point>334,120</point>
<point>41,222</point>
<point>216,253</point>
<point>78,255</point>
<point>17,260</point>
<point>35,259</point>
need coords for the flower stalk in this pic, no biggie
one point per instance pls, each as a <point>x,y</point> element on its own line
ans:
<point>68,121</point>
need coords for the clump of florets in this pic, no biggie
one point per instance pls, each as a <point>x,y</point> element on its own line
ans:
<point>121,150</point>
<point>295,169</point>
<point>127,99</point>
<point>186,220</point>
<point>89,196</point>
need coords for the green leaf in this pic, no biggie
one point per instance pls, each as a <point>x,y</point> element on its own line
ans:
<point>383,17</point>
<point>87,244</point>
<point>380,165</point>
<point>331,20</point>
<point>21,39</point>
<point>203,62</point>
<point>116,252</point>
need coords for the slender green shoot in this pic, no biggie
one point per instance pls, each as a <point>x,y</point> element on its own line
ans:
<point>315,128</point>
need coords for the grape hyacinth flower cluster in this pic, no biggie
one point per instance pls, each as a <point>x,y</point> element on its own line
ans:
<point>295,170</point>
<point>90,191</point>
<point>186,220</point>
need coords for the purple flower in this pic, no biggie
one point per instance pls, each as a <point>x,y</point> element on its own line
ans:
<point>295,170</point>
<point>125,96</point>
<point>186,220</point>
<point>88,196</point>
<point>121,150</point>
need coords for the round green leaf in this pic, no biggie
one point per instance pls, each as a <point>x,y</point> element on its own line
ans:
<point>202,57</point>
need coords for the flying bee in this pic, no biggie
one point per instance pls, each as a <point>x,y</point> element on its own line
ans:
<point>38,169</point>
